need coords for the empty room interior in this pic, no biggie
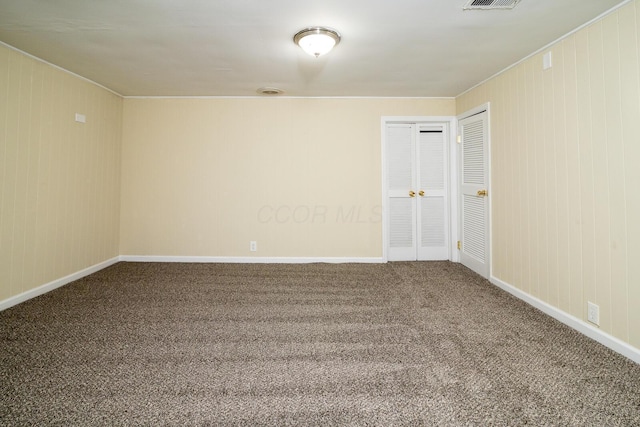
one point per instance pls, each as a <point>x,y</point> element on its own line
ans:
<point>331,213</point>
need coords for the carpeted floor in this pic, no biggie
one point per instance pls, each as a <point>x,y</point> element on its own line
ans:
<point>311,345</point>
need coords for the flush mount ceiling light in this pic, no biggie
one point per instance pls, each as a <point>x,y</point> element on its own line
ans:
<point>317,41</point>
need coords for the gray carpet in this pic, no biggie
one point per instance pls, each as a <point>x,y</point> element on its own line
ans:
<point>317,344</point>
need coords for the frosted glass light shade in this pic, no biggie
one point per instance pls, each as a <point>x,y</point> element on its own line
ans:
<point>317,41</point>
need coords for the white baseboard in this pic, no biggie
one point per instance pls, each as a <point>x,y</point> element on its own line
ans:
<point>15,300</point>
<point>579,325</point>
<point>249,260</point>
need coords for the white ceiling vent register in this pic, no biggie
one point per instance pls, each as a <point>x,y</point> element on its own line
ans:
<point>490,4</point>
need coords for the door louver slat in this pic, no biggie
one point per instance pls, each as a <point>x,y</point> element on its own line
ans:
<point>399,155</point>
<point>432,176</point>
<point>401,222</point>
<point>473,236</point>
<point>433,222</point>
<point>473,154</point>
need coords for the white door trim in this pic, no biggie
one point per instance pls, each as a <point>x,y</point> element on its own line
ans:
<point>472,112</point>
<point>452,189</point>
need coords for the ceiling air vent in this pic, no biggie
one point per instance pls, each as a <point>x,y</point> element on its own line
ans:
<point>490,4</point>
<point>269,91</point>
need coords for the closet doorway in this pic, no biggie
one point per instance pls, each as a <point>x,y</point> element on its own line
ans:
<point>417,208</point>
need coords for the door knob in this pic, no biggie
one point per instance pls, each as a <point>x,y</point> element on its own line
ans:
<point>482,193</point>
<point>421,193</point>
<point>412,194</point>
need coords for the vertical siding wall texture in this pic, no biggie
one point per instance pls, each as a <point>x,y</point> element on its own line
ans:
<point>59,179</point>
<point>565,174</point>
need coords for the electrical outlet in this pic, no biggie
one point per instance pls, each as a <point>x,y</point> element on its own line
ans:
<point>253,246</point>
<point>547,61</point>
<point>593,313</point>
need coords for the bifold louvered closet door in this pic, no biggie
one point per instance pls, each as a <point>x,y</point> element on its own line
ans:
<point>417,192</point>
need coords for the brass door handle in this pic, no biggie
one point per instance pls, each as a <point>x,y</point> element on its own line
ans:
<point>482,193</point>
<point>421,193</point>
<point>412,194</point>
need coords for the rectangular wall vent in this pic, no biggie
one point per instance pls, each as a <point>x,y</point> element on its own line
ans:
<point>490,4</point>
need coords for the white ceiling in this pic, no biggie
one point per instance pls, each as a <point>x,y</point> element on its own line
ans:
<point>404,48</point>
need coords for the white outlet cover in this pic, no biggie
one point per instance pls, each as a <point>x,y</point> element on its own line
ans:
<point>547,61</point>
<point>81,118</point>
<point>593,313</point>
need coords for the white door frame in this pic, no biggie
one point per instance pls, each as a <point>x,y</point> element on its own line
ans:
<point>477,110</point>
<point>452,190</point>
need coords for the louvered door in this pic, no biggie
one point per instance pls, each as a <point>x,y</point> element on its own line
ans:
<point>432,215</point>
<point>401,173</point>
<point>474,203</point>
<point>417,192</point>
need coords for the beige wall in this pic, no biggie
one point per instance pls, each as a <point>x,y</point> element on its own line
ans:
<point>302,177</point>
<point>59,180</point>
<point>565,174</point>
